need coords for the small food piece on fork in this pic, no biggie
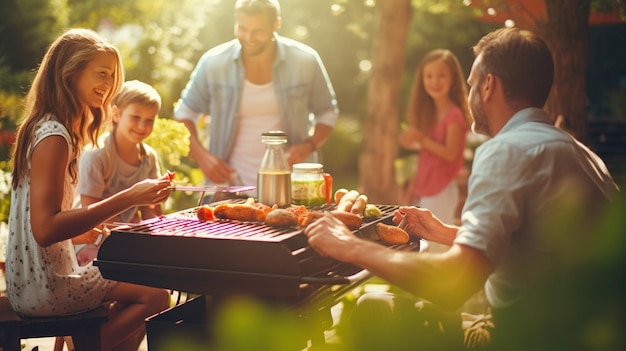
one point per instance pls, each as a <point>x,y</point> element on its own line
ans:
<point>205,213</point>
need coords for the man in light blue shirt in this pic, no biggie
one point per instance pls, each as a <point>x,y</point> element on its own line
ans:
<point>524,179</point>
<point>257,82</point>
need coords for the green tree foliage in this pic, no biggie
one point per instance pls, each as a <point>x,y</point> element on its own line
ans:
<point>26,29</point>
<point>171,140</point>
<point>340,31</point>
<point>433,30</point>
<point>5,191</point>
<point>159,40</point>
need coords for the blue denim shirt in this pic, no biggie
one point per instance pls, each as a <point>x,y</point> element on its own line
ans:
<point>303,89</point>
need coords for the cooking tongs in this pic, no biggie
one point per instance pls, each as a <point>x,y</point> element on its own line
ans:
<point>213,188</point>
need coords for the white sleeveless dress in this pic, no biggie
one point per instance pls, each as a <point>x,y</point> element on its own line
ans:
<point>47,281</point>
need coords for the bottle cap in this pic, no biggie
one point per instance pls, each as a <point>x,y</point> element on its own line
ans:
<point>274,133</point>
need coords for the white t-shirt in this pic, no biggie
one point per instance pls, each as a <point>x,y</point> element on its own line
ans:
<point>259,112</point>
<point>103,173</point>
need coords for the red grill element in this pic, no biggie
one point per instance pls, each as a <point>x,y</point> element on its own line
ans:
<point>179,252</point>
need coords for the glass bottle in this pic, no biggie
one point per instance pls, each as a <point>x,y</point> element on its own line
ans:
<point>274,177</point>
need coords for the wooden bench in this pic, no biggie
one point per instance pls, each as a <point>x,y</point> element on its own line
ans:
<point>83,328</point>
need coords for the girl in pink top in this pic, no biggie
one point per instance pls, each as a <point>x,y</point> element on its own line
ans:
<point>437,123</point>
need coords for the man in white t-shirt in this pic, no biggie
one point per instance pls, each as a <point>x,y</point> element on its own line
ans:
<point>257,82</point>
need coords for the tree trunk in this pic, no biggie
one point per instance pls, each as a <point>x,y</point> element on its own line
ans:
<point>567,34</point>
<point>380,146</point>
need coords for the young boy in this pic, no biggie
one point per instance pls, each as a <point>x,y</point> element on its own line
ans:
<point>124,159</point>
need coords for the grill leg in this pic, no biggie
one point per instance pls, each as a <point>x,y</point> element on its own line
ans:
<point>317,340</point>
<point>323,321</point>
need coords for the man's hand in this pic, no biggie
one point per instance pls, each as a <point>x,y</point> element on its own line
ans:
<point>299,153</point>
<point>330,237</point>
<point>422,223</point>
<point>214,168</point>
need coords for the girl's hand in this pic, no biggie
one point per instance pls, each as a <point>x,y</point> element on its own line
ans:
<point>151,191</point>
<point>419,136</point>
<point>410,138</point>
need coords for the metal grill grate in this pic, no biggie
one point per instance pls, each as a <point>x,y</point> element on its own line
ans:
<point>185,223</point>
<point>180,252</point>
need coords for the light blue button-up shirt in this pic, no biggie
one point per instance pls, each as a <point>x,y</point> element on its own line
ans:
<point>519,181</point>
<point>303,89</point>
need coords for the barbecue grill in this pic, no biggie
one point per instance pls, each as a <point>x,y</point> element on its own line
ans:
<point>223,257</point>
<point>182,253</point>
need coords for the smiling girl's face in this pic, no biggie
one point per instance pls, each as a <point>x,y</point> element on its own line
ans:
<point>437,79</point>
<point>95,81</point>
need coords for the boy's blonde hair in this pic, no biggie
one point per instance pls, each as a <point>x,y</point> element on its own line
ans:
<point>136,92</point>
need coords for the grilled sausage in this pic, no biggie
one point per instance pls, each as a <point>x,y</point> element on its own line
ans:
<point>346,202</point>
<point>352,221</point>
<point>391,234</point>
<point>339,194</point>
<point>281,218</point>
<point>242,212</point>
<point>358,208</point>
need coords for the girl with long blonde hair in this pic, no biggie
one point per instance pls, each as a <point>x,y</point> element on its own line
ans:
<point>65,107</point>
